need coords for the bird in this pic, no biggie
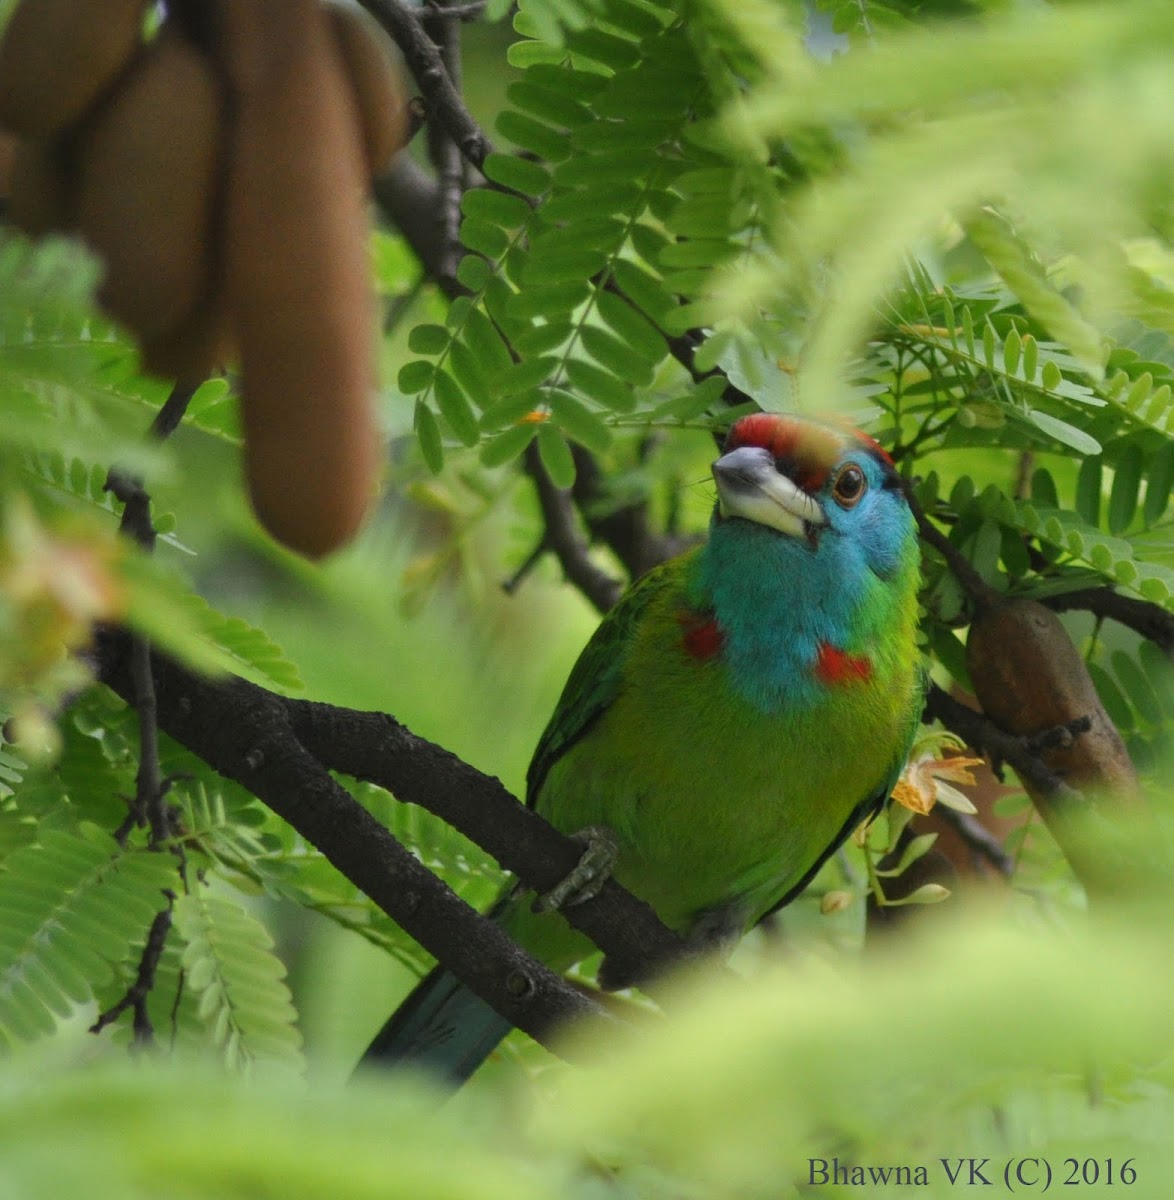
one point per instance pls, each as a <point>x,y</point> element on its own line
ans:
<point>742,709</point>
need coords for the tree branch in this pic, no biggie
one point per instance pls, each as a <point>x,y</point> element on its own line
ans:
<point>1153,622</point>
<point>442,100</point>
<point>271,746</point>
<point>563,539</point>
<point>625,530</point>
<point>960,566</point>
<point>137,994</point>
<point>1021,753</point>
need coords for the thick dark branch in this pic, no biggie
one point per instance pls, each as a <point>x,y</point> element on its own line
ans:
<point>1021,753</point>
<point>377,748</point>
<point>1153,622</point>
<point>565,541</point>
<point>444,103</point>
<point>256,737</point>
<point>410,199</point>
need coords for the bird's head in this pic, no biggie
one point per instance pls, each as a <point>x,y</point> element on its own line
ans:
<point>814,483</point>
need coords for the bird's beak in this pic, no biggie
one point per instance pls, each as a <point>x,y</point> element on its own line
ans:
<point>750,486</point>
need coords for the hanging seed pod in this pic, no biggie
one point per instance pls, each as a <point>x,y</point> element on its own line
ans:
<point>57,57</point>
<point>147,168</point>
<point>297,275</point>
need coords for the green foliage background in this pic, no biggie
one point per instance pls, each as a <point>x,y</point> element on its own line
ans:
<point>949,221</point>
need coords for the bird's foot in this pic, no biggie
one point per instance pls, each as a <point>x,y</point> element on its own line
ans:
<point>600,851</point>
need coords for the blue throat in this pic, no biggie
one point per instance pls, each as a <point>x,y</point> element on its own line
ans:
<point>777,600</point>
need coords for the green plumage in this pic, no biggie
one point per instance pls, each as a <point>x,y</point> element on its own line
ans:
<point>737,714</point>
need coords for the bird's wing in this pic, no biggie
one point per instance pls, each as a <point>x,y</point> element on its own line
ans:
<point>597,677</point>
<point>865,809</point>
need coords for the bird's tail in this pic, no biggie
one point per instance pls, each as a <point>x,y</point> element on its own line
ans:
<point>442,1026</point>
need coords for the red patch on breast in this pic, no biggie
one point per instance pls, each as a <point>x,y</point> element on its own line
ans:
<point>701,635</point>
<point>834,666</point>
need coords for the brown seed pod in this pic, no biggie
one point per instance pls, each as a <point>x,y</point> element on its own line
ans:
<point>200,346</point>
<point>147,168</point>
<point>297,275</point>
<point>38,199</point>
<point>7,152</point>
<point>58,56</point>
<point>369,58</point>
<point>1029,677</point>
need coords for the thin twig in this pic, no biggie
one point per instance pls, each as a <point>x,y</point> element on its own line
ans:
<point>960,566</point>
<point>563,539</point>
<point>1020,753</point>
<point>445,32</point>
<point>137,994</point>
<point>443,101</point>
<point>171,414</point>
<point>626,530</point>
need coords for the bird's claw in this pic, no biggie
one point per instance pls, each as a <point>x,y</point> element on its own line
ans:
<point>594,868</point>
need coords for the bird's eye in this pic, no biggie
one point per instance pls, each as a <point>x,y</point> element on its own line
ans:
<point>849,486</point>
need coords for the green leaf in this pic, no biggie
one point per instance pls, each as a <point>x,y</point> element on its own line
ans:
<point>632,326</point>
<point>566,80</point>
<point>468,373</point>
<point>578,422</point>
<point>428,435</point>
<point>240,983</point>
<point>415,376</point>
<point>538,339</point>
<point>70,908</point>
<point>622,137</point>
<point>547,143</point>
<point>643,288</point>
<point>1137,686</point>
<point>483,238</point>
<point>550,301</point>
<point>517,173</point>
<point>455,408</point>
<point>1111,697</point>
<point>473,271</point>
<point>1088,489</point>
<point>486,344</point>
<point>1063,432</point>
<point>593,200</point>
<point>545,102</point>
<point>616,356</point>
<point>499,208</point>
<point>601,386</point>
<point>1159,479</point>
<point>522,376</point>
<point>614,167</point>
<point>252,653</point>
<point>511,410</point>
<point>1043,488</point>
<point>563,266</point>
<point>428,339</point>
<point>556,456</point>
<point>507,445</point>
<point>603,48</point>
<point>1012,348</point>
<point>1125,488</point>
